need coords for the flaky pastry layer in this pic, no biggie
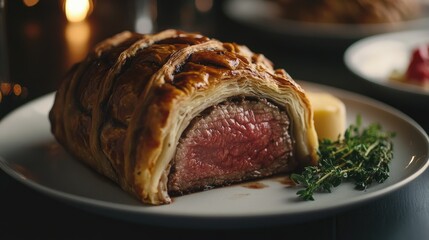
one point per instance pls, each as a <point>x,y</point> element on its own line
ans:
<point>123,109</point>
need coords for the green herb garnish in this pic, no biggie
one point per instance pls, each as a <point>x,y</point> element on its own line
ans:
<point>361,156</point>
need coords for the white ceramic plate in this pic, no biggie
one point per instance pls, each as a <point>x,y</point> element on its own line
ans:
<point>30,154</point>
<point>265,16</point>
<point>374,58</point>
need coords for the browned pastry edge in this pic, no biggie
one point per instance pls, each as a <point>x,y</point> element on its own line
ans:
<point>130,138</point>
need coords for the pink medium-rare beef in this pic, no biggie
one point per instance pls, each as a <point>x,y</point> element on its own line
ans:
<point>176,112</point>
<point>232,142</point>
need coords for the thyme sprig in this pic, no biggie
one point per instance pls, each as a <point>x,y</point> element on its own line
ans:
<point>361,156</point>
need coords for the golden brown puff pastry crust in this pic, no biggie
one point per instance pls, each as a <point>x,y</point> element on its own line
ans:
<point>124,108</point>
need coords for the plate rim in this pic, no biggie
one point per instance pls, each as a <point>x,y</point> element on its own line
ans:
<point>201,220</point>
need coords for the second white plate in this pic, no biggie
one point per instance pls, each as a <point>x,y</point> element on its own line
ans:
<point>373,59</point>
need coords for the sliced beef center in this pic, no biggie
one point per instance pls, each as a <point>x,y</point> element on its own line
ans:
<point>237,140</point>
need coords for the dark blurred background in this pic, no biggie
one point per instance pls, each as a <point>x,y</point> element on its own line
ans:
<point>42,44</point>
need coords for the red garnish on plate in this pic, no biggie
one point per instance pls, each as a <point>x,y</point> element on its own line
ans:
<point>418,69</point>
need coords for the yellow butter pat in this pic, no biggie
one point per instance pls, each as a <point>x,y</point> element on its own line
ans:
<point>329,115</point>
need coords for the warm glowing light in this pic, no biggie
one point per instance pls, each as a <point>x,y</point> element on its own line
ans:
<point>32,30</point>
<point>17,89</point>
<point>30,3</point>
<point>77,37</point>
<point>203,5</point>
<point>77,10</point>
<point>7,89</point>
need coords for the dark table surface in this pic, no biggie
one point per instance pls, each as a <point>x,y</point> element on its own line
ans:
<point>39,53</point>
